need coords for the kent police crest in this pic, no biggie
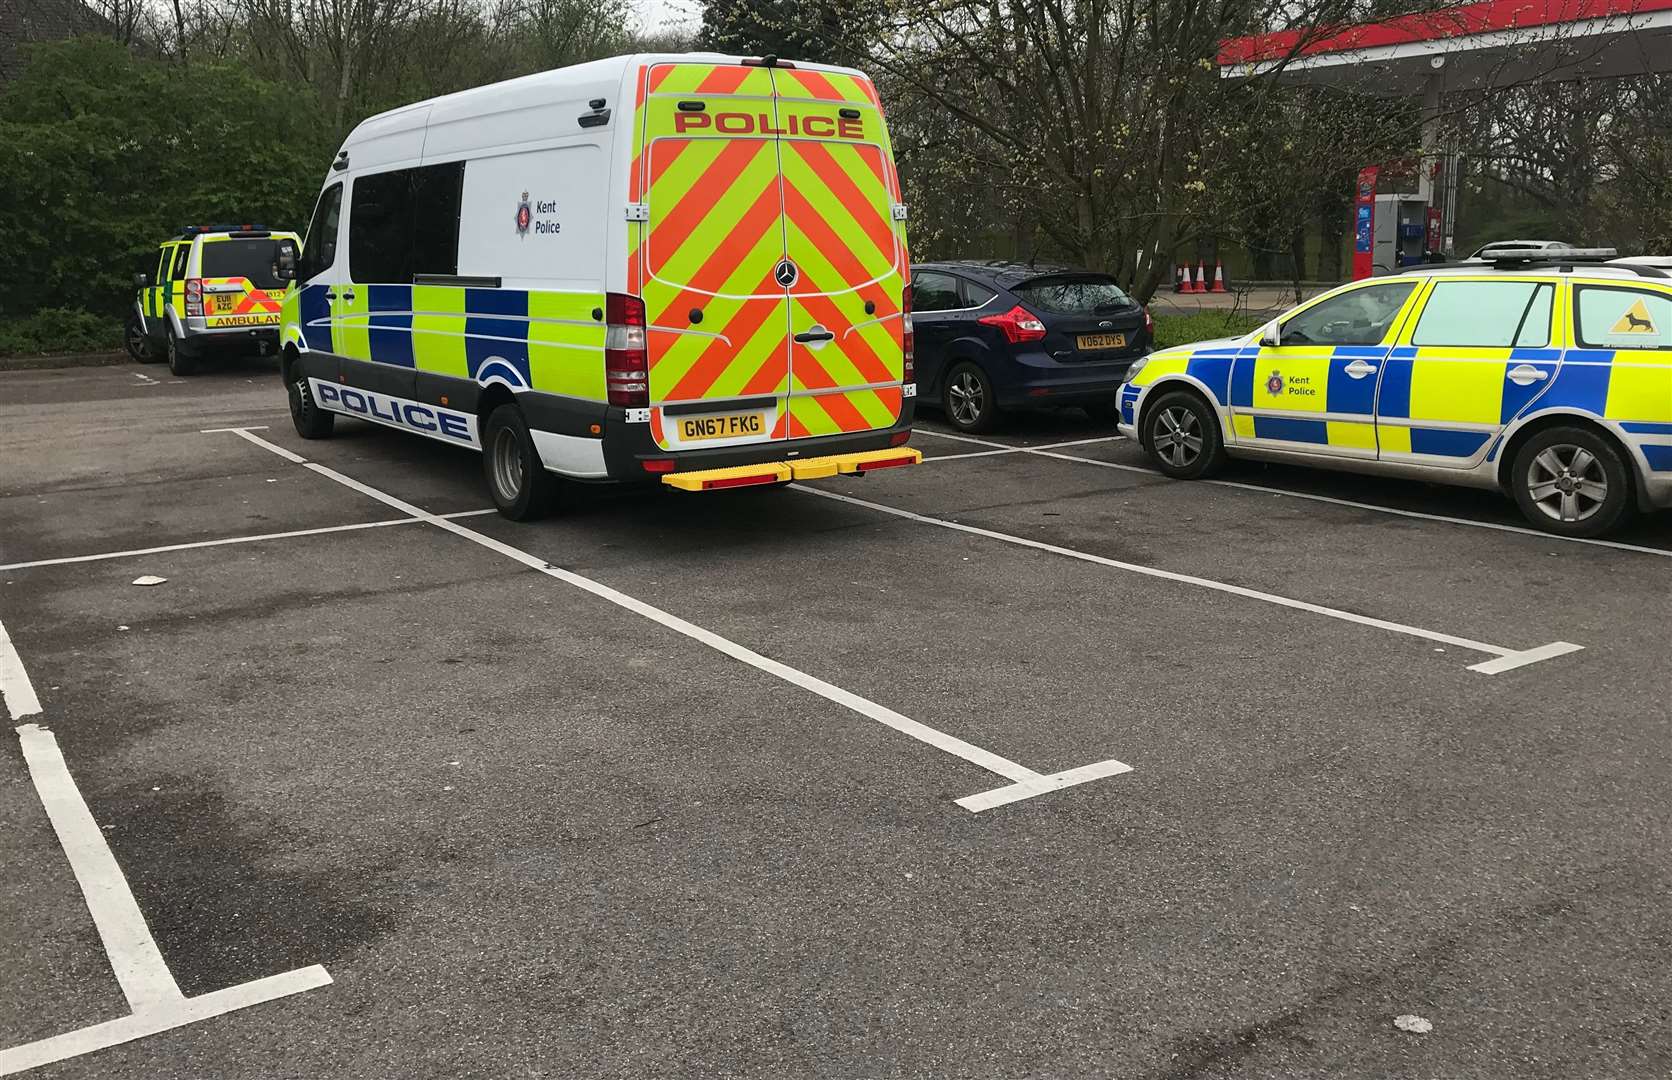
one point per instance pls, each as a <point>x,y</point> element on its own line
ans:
<point>525,215</point>
<point>1274,385</point>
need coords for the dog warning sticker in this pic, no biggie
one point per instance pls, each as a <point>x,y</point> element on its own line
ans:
<point>1636,320</point>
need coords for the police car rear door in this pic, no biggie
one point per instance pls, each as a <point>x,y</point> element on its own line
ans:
<point>1477,355</point>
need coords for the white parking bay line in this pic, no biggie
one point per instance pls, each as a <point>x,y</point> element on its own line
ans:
<point>1004,449</point>
<point>1522,656</point>
<point>1049,452</point>
<point>15,688</point>
<point>233,540</point>
<point>156,1000</point>
<point>940,740</point>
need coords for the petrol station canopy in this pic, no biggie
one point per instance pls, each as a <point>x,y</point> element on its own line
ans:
<point>1469,46</point>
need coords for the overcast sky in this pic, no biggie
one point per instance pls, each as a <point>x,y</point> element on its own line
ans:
<point>655,15</point>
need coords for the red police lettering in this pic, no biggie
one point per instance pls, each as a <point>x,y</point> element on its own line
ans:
<point>825,126</point>
<point>685,121</point>
<point>734,123</point>
<point>850,129</point>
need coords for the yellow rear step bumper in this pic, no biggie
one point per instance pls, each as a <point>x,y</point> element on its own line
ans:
<point>781,472</point>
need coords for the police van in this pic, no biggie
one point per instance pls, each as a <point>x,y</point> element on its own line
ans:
<point>215,291</point>
<point>1545,376</point>
<point>683,268</point>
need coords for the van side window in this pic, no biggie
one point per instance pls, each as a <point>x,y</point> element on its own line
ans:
<point>319,248</point>
<point>1485,315</point>
<point>1613,318</point>
<point>405,222</point>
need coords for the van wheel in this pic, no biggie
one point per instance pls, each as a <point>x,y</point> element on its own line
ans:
<point>968,399</point>
<point>311,421</point>
<point>180,362</point>
<point>138,342</point>
<point>521,487</point>
<point>1571,482</point>
<point>1181,435</point>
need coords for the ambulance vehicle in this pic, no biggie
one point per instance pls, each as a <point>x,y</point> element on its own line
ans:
<point>683,268</point>
<point>215,291</point>
<point>1547,377</point>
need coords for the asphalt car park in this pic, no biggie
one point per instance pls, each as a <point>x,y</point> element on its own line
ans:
<point>681,785</point>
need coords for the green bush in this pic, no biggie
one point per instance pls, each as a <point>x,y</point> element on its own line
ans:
<point>59,330</point>
<point>1173,330</point>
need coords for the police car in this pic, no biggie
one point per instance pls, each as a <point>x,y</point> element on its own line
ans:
<point>215,291</point>
<point>1548,378</point>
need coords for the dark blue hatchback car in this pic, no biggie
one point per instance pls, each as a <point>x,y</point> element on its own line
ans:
<point>994,336</point>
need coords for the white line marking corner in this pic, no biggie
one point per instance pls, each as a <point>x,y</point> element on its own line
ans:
<point>1511,661</point>
<point>1039,785</point>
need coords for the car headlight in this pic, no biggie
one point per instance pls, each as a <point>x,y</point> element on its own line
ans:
<point>1137,366</point>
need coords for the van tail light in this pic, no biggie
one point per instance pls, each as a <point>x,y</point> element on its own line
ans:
<point>1019,325</point>
<point>626,361</point>
<point>908,338</point>
<point>194,296</point>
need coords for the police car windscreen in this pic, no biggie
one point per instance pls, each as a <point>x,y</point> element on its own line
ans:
<point>251,259</point>
<point>1073,295</point>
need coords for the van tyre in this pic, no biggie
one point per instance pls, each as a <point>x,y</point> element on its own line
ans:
<point>138,342</point>
<point>180,362</point>
<point>1572,482</point>
<point>1181,434</point>
<point>968,399</point>
<point>521,487</point>
<point>311,421</point>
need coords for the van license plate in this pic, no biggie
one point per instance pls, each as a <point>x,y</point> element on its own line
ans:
<point>731,426</point>
<point>1089,342</point>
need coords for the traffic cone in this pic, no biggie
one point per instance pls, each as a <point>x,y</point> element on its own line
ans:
<point>1218,276</point>
<point>1181,276</point>
<point>1202,277</point>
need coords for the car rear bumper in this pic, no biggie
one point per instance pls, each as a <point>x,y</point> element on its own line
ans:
<point>1040,379</point>
<point>627,446</point>
<point>262,340</point>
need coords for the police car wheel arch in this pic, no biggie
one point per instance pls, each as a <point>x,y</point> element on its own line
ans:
<point>1182,435</point>
<point>1167,383</point>
<point>1572,480</point>
<point>1501,459</point>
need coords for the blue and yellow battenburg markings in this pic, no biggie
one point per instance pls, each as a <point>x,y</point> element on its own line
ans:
<point>528,340</point>
<point>1461,386</point>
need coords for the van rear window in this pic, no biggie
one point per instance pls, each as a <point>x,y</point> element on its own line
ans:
<point>251,259</point>
<point>1077,295</point>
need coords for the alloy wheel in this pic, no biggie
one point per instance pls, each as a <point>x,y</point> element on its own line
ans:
<point>1567,482</point>
<point>965,398</point>
<point>1176,436</point>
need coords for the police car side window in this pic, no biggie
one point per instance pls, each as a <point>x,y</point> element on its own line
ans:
<point>1612,318</point>
<point>319,247</point>
<point>1485,315</point>
<point>1360,317</point>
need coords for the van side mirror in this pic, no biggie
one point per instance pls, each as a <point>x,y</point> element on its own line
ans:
<point>284,260</point>
<point>141,280</point>
<point>1270,335</point>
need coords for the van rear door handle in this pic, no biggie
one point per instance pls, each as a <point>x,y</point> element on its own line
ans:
<point>817,333</point>
<point>1527,375</point>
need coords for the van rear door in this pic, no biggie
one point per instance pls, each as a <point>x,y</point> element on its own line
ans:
<point>848,251</point>
<point>240,285</point>
<point>770,264</point>
<point>709,254</point>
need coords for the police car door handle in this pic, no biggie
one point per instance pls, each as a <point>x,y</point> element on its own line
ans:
<point>1527,375</point>
<point>1358,369</point>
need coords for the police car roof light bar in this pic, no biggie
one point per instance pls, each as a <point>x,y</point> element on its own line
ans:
<point>1565,257</point>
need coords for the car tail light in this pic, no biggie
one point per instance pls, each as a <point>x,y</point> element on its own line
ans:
<point>626,363</point>
<point>194,296</point>
<point>908,338</point>
<point>1149,322</point>
<point>1019,325</point>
